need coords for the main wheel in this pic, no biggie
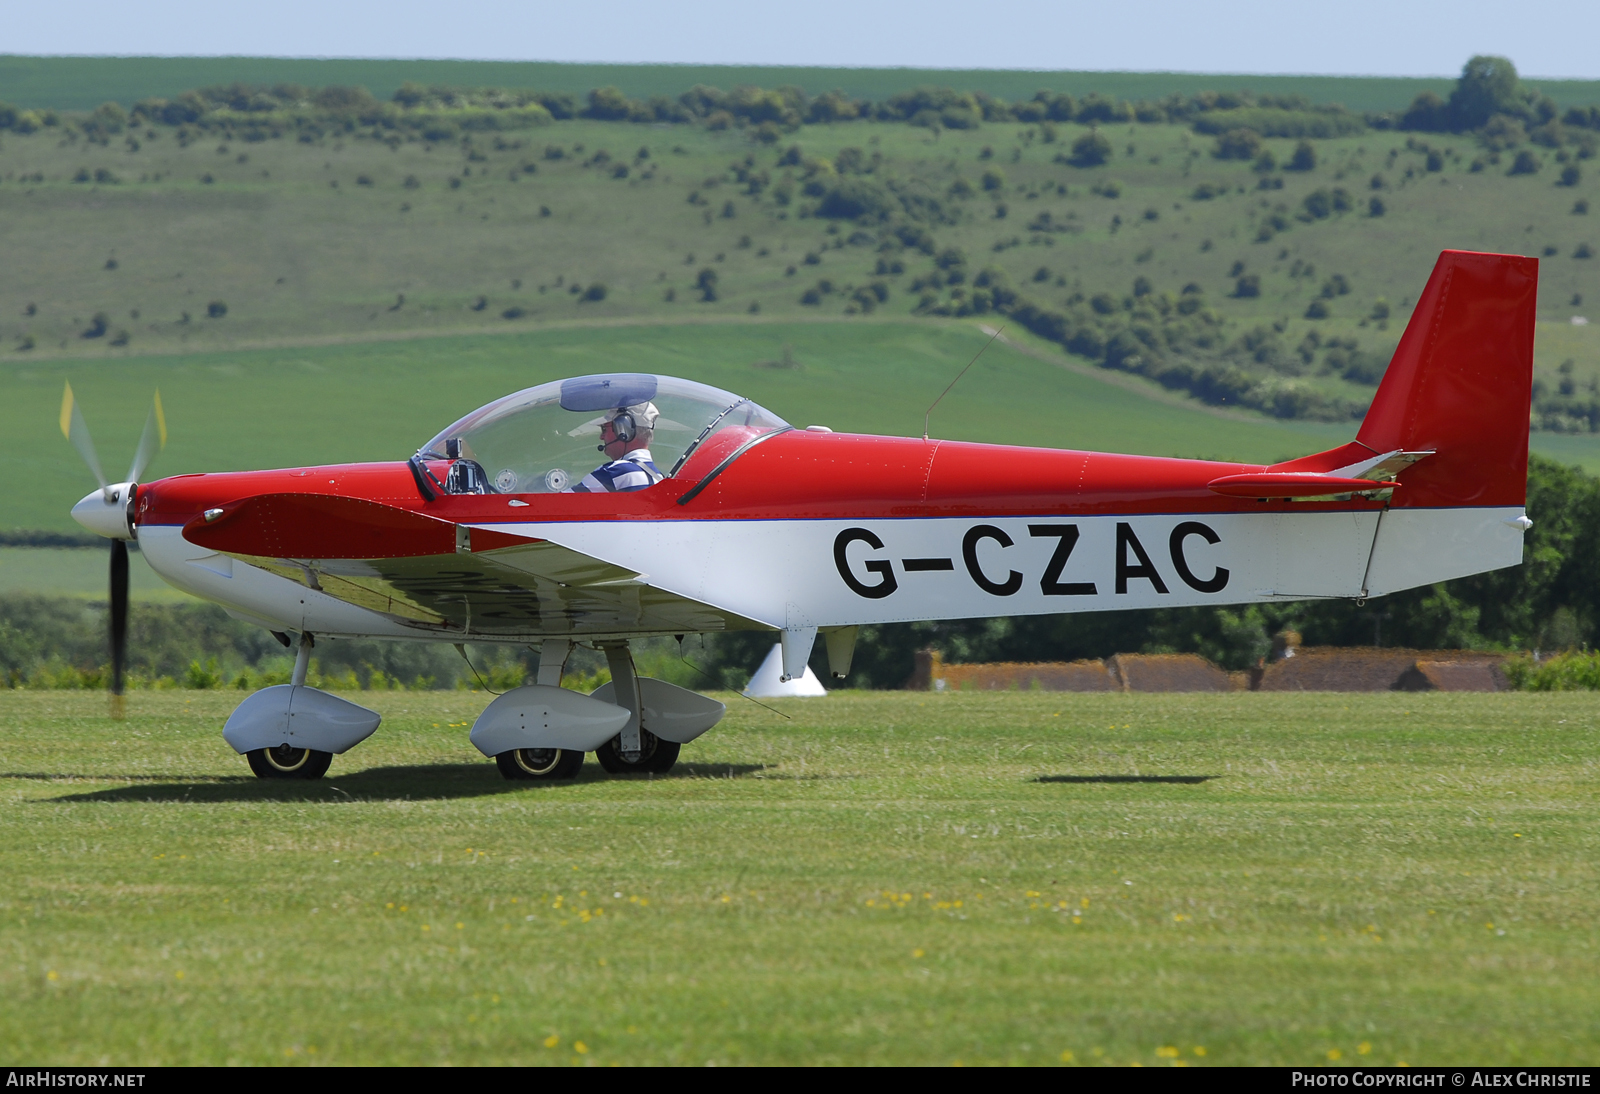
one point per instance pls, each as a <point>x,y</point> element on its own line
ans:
<point>289,762</point>
<point>655,756</point>
<point>539,763</point>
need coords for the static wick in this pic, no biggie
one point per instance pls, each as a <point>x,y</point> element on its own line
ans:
<point>957,380</point>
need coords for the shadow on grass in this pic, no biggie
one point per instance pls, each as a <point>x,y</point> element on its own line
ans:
<point>1124,778</point>
<point>426,782</point>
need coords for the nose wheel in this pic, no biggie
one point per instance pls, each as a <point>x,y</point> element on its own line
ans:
<point>287,762</point>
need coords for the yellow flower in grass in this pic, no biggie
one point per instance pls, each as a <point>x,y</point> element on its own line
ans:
<point>552,1041</point>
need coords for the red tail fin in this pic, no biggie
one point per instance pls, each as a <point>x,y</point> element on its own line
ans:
<point>1460,383</point>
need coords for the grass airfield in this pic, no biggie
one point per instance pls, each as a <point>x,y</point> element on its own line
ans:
<point>886,878</point>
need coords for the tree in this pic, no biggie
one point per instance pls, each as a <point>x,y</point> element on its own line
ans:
<point>1304,158</point>
<point>706,283</point>
<point>1488,86</point>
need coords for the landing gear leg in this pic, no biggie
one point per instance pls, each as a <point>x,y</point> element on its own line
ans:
<point>635,749</point>
<point>286,761</point>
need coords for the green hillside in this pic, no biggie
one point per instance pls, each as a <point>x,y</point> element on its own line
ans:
<point>331,285</point>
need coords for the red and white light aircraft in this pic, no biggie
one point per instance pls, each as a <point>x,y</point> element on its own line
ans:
<point>759,525</point>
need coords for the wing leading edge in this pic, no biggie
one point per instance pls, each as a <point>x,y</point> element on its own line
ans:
<point>434,575</point>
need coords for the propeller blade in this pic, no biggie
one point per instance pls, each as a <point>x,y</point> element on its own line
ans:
<point>74,430</point>
<point>119,623</point>
<point>152,441</point>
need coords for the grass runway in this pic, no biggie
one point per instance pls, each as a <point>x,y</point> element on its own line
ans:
<point>1014,878</point>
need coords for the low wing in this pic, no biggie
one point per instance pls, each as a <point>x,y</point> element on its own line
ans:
<point>434,575</point>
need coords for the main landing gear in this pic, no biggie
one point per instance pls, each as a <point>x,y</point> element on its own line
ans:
<point>539,763</point>
<point>633,725</point>
<point>289,762</point>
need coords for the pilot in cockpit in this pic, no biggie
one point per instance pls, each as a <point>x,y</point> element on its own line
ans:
<point>625,435</point>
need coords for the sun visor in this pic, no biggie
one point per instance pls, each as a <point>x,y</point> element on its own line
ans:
<point>589,393</point>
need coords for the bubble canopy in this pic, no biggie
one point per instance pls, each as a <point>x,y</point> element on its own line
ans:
<point>545,439</point>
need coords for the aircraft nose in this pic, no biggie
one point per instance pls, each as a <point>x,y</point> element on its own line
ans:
<point>103,516</point>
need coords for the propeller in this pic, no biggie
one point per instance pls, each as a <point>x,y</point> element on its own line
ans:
<point>109,513</point>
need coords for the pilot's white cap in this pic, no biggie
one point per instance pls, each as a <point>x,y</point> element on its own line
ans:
<point>644,414</point>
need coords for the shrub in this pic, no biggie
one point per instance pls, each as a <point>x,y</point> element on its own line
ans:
<point>1090,150</point>
<point>216,309</point>
<point>512,313</point>
<point>1526,163</point>
<point>1583,250</point>
<point>1573,671</point>
<point>1265,162</point>
<point>1318,309</point>
<point>1247,286</point>
<point>1375,207</point>
<point>97,326</point>
<point>1304,158</point>
<point>994,179</point>
<point>1238,144</point>
<point>706,284</point>
<point>595,292</point>
<point>1571,175</point>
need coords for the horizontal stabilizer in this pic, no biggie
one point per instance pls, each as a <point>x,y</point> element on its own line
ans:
<point>1269,484</point>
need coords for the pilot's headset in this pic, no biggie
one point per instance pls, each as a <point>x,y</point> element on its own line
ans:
<point>627,421</point>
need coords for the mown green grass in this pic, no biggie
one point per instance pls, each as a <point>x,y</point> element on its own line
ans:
<point>887,878</point>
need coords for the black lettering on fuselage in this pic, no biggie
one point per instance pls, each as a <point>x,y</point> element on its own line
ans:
<point>969,554</point>
<point>882,567</point>
<point>1066,539</point>
<point>1213,584</point>
<point>1126,541</point>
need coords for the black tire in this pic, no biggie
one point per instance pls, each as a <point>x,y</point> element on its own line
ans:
<point>289,762</point>
<point>539,763</point>
<point>655,758</point>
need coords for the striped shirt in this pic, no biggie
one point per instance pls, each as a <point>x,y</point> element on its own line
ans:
<point>634,471</point>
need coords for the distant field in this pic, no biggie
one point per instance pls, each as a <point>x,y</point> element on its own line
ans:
<point>76,572</point>
<point>381,400</point>
<point>83,83</point>
<point>892,878</point>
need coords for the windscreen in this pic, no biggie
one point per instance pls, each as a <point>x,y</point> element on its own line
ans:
<point>545,439</point>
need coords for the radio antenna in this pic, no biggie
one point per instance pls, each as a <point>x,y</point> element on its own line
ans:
<point>957,380</point>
